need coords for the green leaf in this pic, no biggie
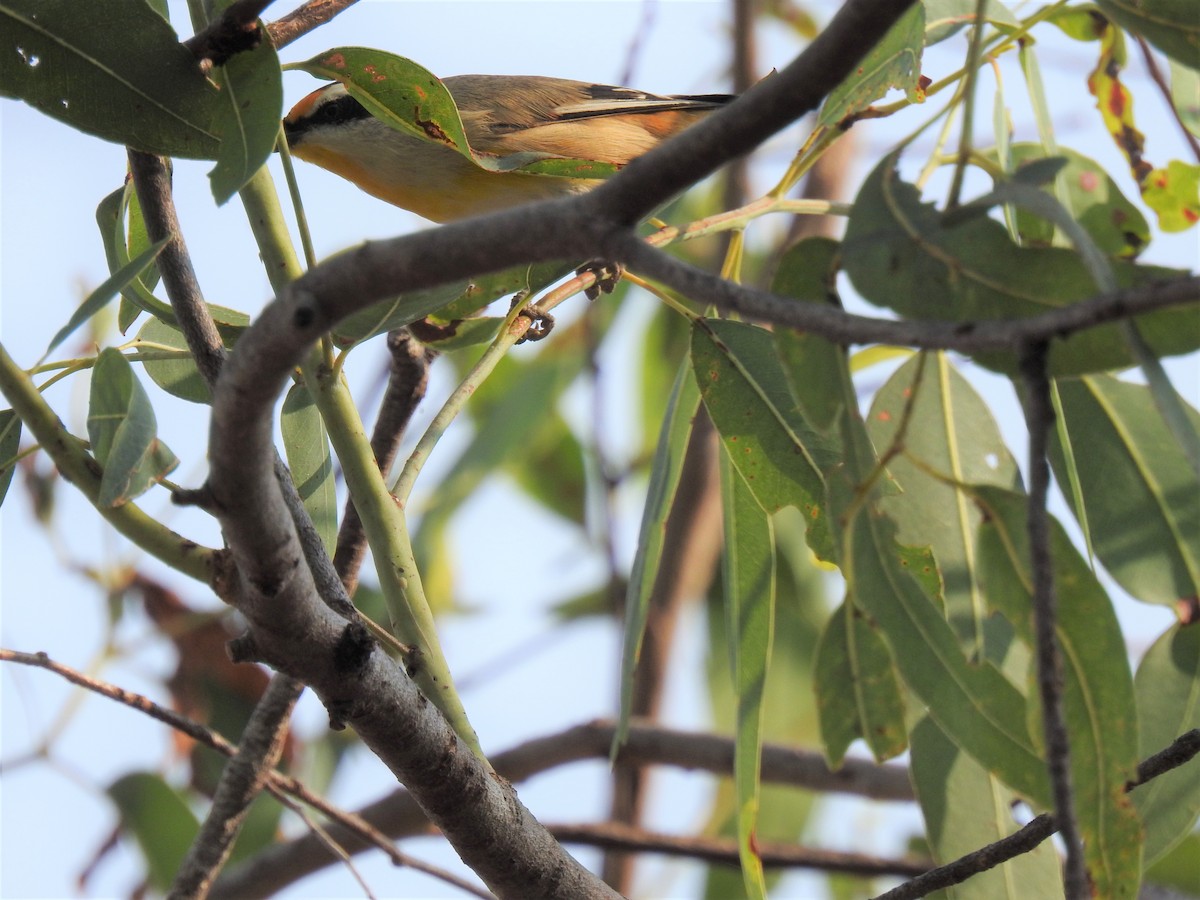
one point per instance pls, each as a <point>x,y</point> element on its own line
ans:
<point>115,70</point>
<point>488,288</point>
<point>812,364</point>
<point>749,569</point>
<point>971,700</point>
<point>110,218</point>
<point>1174,193</point>
<point>965,809</point>
<point>858,695</point>
<point>899,254</point>
<point>247,118</point>
<point>895,62</point>
<point>10,445</point>
<point>1178,868</point>
<point>1168,704</point>
<point>665,475</point>
<point>1170,25</point>
<point>945,18</point>
<point>1138,490</point>
<point>123,432</point>
<point>412,99</point>
<point>307,447</point>
<point>790,715</point>
<point>175,372</point>
<point>746,392</point>
<point>1185,96</point>
<point>159,819</point>
<point>100,297</point>
<point>1094,199</point>
<point>950,439</point>
<point>1098,693</point>
<point>465,334</point>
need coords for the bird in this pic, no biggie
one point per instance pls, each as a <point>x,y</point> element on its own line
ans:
<point>502,115</point>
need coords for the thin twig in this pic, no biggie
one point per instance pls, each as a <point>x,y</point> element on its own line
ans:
<point>234,31</point>
<point>615,836</point>
<point>398,815</point>
<point>304,19</point>
<point>971,337</point>
<point>1039,419</point>
<point>278,785</point>
<point>1160,80</point>
<point>241,782</point>
<point>1182,750</point>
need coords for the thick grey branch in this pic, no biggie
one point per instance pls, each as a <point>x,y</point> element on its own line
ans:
<point>290,628</point>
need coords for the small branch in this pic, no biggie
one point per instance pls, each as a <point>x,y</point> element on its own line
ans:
<point>279,785</point>
<point>304,19</point>
<point>1160,80</point>
<point>397,815</point>
<point>262,740</point>
<point>241,781</point>
<point>152,180</point>
<point>80,468</point>
<point>614,836</point>
<point>1039,418</point>
<point>1186,746</point>
<point>407,381</point>
<point>234,31</point>
<point>846,328</point>
<point>1182,750</point>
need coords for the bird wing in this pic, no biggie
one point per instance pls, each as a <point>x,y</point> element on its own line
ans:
<point>572,119</point>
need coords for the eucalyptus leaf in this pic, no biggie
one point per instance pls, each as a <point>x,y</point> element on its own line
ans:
<point>159,819</point>
<point>123,431</point>
<point>1137,488</point>
<point>306,445</point>
<point>900,254</point>
<point>1168,703</point>
<point>115,70</point>
<point>10,445</point>
<point>248,117</point>
<point>749,570</point>
<point>1098,694</point>
<point>746,392</point>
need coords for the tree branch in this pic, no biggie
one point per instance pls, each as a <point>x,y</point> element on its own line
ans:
<point>241,781</point>
<point>846,328</point>
<point>234,31</point>
<point>304,19</point>
<point>1181,751</point>
<point>262,740</point>
<point>277,784</point>
<point>1039,418</point>
<point>613,836</point>
<point>398,815</point>
<point>289,628</point>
